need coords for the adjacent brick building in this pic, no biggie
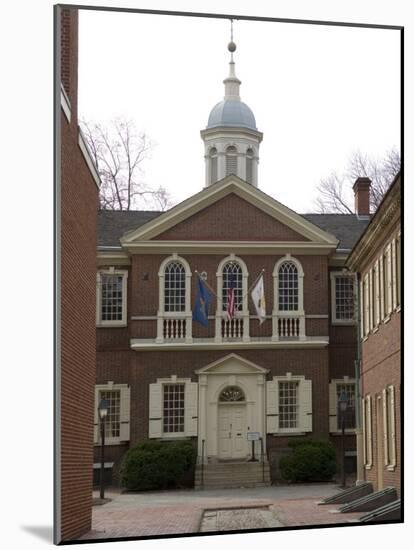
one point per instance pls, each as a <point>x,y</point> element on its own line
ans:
<point>377,258</point>
<point>76,242</point>
<point>168,377</point>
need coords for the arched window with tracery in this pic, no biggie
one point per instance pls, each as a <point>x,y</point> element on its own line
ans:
<point>232,278</point>
<point>231,160</point>
<point>174,287</point>
<point>288,295</point>
<point>249,165</point>
<point>213,165</point>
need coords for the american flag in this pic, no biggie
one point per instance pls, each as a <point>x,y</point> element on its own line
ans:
<point>231,281</point>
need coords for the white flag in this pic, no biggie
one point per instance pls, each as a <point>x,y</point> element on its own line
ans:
<point>259,301</point>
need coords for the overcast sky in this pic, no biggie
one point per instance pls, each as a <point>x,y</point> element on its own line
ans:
<point>318,93</point>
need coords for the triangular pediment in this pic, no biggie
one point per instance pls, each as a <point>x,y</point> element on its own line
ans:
<point>190,219</point>
<point>232,364</point>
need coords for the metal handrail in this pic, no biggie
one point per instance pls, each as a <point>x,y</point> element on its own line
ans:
<point>202,462</point>
<point>262,453</point>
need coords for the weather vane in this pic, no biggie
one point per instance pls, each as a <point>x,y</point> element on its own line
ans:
<point>231,45</point>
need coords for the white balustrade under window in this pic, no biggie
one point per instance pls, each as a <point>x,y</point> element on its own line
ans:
<point>232,329</point>
<point>288,327</point>
<point>174,328</point>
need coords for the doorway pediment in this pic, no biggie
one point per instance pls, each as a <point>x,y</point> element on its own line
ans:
<point>232,364</point>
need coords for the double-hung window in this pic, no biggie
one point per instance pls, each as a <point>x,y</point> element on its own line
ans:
<point>342,298</point>
<point>111,297</point>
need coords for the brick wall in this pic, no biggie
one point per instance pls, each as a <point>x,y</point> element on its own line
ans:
<point>78,281</point>
<point>381,365</point>
<point>228,219</point>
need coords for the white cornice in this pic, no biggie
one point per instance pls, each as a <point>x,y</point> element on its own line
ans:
<point>88,159</point>
<point>225,247</point>
<point>112,258</point>
<point>213,193</point>
<point>65,103</point>
<point>315,342</point>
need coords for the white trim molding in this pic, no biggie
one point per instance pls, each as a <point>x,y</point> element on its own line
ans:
<point>124,413</point>
<point>240,323</point>
<point>333,276</point>
<point>288,323</point>
<point>65,103</point>
<point>88,159</point>
<point>112,272</point>
<point>174,325</point>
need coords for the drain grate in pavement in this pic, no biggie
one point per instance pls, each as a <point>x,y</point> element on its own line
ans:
<point>236,519</point>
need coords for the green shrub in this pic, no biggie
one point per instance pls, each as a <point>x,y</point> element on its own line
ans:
<point>157,465</point>
<point>309,461</point>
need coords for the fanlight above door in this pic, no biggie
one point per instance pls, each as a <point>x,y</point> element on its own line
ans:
<point>232,394</point>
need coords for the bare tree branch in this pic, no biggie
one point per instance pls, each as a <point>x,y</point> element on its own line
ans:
<point>334,191</point>
<point>119,152</point>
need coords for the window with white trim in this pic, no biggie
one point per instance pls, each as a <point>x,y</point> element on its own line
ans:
<point>118,418</point>
<point>231,160</point>
<point>288,405</point>
<point>111,297</point>
<point>249,165</point>
<point>390,448</point>
<point>367,430</point>
<point>232,276</point>
<point>342,298</point>
<point>288,290</point>
<point>336,388</point>
<point>173,408</point>
<point>398,268</point>
<point>213,165</point>
<point>174,287</point>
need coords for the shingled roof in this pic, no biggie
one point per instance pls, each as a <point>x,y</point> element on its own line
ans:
<point>347,228</point>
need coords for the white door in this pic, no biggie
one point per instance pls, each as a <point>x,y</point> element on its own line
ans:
<point>232,431</point>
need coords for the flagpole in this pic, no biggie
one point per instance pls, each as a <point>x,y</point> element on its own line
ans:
<point>252,285</point>
<point>205,282</point>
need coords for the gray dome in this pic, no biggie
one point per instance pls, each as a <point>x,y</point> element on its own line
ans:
<point>231,113</point>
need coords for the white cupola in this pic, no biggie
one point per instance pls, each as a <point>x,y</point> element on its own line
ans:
<point>231,139</point>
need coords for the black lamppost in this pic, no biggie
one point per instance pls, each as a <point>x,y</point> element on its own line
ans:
<point>103,412</point>
<point>343,405</point>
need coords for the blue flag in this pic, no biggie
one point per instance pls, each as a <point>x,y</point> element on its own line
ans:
<point>202,302</point>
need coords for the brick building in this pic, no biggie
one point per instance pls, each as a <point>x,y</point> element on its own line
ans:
<point>167,376</point>
<point>377,259</point>
<point>76,213</point>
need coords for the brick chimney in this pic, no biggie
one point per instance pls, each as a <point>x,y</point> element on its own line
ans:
<point>361,189</point>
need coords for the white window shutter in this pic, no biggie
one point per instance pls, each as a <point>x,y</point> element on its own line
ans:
<point>305,405</point>
<point>394,275</point>
<point>96,436</point>
<point>385,426</point>
<point>272,407</point>
<point>377,294</point>
<point>333,408</point>
<point>124,416</point>
<point>155,410</point>
<point>393,457</point>
<point>364,429</point>
<point>369,431</point>
<point>190,408</point>
<point>382,293</point>
<point>389,285</point>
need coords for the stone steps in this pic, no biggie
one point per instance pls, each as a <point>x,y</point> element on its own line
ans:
<point>232,475</point>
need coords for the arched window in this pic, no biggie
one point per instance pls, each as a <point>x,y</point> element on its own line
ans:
<point>249,165</point>
<point>213,165</point>
<point>288,291</point>
<point>174,287</point>
<point>232,278</point>
<point>231,160</point>
<point>232,394</point>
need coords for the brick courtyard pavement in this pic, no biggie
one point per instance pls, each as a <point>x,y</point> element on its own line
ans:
<point>172,512</point>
